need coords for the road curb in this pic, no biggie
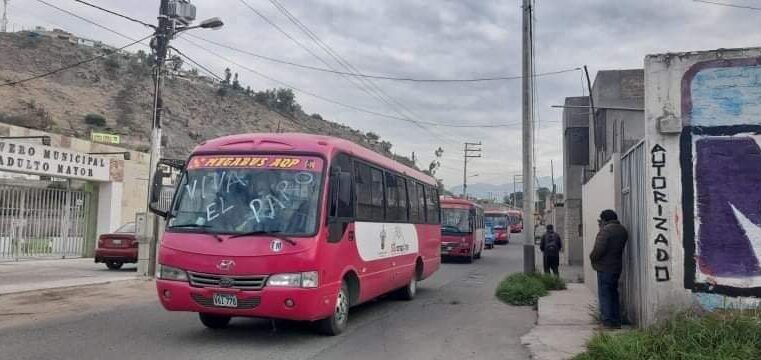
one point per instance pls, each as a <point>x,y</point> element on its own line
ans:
<point>62,285</point>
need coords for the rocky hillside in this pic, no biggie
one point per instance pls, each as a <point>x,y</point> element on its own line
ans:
<point>114,95</point>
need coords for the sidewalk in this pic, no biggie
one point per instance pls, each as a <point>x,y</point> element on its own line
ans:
<point>564,321</point>
<point>33,275</point>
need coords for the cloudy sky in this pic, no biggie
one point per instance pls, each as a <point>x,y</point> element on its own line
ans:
<point>432,39</point>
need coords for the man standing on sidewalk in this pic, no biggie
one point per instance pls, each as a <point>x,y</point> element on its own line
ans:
<point>550,247</point>
<point>607,260</point>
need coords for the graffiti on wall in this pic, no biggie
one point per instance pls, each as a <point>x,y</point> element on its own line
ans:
<point>660,220</point>
<point>721,173</point>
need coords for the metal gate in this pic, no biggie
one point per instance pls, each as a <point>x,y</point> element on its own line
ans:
<point>633,192</point>
<point>38,222</point>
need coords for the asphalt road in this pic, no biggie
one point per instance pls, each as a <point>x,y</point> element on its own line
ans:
<point>455,316</point>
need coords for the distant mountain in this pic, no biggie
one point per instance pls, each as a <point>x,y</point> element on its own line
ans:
<point>493,191</point>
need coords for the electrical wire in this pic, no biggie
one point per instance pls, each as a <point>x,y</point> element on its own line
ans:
<point>355,82</point>
<point>329,100</point>
<point>393,103</point>
<point>116,13</point>
<point>736,6</point>
<point>71,66</point>
<point>220,78</point>
<point>91,22</point>
<point>377,77</point>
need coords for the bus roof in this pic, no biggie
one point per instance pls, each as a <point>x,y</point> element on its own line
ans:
<point>456,202</point>
<point>305,143</point>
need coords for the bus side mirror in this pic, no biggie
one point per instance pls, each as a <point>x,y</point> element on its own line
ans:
<point>160,194</point>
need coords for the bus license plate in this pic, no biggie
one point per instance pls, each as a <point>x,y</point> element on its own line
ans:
<point>225,300</point>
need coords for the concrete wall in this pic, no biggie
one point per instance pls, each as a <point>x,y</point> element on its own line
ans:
<point>573,176</point>
<point>135,171</point>
<point>621,129</point>
<point>598,194</point>
<point>703,114</point>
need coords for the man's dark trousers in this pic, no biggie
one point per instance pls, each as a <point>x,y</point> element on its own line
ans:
<point>607,290</point>
<point>551,262</point>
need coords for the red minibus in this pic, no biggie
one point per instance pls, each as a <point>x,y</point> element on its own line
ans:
<point>516,221</point>
<point>498,222</point>
<point>295,227</point>
<point>462,229</point>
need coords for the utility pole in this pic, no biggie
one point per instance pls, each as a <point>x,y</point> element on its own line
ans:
<point>472,150</point>
<point>514,199</point>
<point>591,115</point>
<point>528,139</point>
<point>175,16</point>
<point>4,20</point>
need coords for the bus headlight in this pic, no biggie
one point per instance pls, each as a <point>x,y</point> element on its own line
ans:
<point>170,273</point>
<point>308,279</point>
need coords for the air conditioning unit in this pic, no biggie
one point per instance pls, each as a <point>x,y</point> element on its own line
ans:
<point>182,11</point>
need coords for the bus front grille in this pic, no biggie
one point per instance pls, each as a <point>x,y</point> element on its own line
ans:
<point>253,282</point>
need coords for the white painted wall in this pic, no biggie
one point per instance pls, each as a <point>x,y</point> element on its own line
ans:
<point>109,211</point>
<point>664,102</point>
<point>598,194</point>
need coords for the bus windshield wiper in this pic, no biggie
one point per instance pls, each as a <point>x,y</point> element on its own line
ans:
<point>264,232</point>
<point>190,225</point>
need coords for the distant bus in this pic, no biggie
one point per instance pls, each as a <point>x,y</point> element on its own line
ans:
<point>516,221</point>
<point>294,226</point>
<point>498,225</point>
<point>462,229</point>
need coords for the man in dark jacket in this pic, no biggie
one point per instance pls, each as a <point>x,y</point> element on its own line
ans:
<point>551,246</point>
<point>607,260</point>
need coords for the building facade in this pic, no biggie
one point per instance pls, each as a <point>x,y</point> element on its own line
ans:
<point>58,193</point>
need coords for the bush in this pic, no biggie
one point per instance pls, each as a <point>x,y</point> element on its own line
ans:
<point>95,120</point>
<point>521,289</point>
<point>551,282</point>
<point>112,63</point>
<point>719,335</point>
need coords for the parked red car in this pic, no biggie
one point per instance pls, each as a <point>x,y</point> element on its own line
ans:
<point>117,248</point>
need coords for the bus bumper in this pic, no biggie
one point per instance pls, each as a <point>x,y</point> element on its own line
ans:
<point>456,249</point>
<point>269,302</point>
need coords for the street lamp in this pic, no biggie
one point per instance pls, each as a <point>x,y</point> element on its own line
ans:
<point>171,14</point>
<point>214,23</point>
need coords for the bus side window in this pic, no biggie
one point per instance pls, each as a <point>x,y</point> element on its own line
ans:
<point>417,202</point>
<point>421,202</point>
<point>432,205</point>
<point>341,200</point>
<point>363,191</point>
<point>341,209</point>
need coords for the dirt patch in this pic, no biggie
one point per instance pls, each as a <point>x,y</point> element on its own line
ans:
<point>32,307</point>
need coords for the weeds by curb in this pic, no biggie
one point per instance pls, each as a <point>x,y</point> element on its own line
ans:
<point>526,289</point>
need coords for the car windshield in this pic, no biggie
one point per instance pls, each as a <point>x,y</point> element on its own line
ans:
<point>126,228</point>
<point>454,220</point>
<point>496,221</point>
<point>238,195</point>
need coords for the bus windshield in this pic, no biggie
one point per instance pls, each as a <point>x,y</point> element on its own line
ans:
<point>455,220</point>
<point>496,221</point>
<point>239,195</point>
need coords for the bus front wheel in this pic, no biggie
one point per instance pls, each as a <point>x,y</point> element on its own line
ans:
<point>336,323</point>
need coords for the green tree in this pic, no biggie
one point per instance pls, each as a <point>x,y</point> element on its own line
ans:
<point>434,166</point>
<point>228,75</point>
<point>236,83</point>
<point>95,120</point>
<point>372,136</point>
<point>515,198</point>
<point>285,100</point>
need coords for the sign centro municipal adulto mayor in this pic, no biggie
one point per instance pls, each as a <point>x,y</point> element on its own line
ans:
<point>51,161</point>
